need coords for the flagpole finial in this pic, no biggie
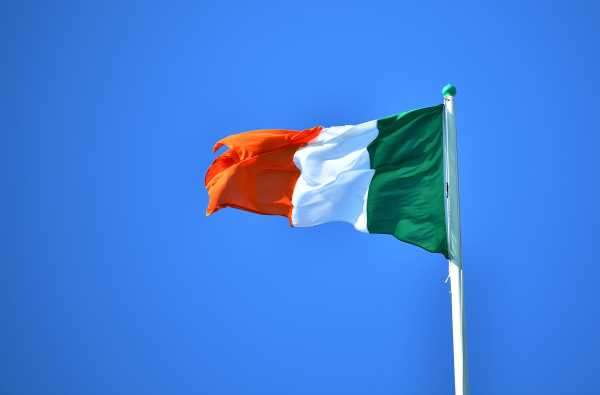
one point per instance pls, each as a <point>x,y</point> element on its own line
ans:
<point>449,90</point>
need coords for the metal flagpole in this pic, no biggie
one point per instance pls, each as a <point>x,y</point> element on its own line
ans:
<point>455,268</point>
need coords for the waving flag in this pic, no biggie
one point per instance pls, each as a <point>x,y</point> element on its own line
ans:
<point>382,176</point>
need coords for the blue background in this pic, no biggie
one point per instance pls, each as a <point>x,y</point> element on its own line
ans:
<point>114,282</point>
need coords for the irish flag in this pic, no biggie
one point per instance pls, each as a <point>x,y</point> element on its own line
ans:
<point>383,176</point>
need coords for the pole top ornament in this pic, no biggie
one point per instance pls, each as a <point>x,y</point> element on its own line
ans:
<point>449,90</point>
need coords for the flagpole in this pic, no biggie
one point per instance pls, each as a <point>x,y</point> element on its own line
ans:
<point>455,267</point>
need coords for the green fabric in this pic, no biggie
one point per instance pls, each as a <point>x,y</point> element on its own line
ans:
<point>406,194</point>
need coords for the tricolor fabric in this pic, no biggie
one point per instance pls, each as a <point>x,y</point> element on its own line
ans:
<point>384,176</point>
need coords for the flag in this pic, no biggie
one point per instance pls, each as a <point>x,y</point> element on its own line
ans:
<point>384,176</point>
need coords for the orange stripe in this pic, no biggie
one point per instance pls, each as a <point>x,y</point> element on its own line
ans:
<point>257,173</point>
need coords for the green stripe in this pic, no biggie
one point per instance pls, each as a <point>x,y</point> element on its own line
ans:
<point>406,194</point>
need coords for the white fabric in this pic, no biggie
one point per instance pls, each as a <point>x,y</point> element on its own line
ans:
<point>335,176</point>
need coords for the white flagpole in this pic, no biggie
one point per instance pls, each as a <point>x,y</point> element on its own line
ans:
<point>455,268</point>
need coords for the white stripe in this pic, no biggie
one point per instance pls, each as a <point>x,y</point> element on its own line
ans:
<point>335,173</point>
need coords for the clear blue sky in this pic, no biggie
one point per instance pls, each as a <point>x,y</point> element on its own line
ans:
<point>114,281</point>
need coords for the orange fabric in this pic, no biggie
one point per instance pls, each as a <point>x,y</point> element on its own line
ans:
<point>257,173</point>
